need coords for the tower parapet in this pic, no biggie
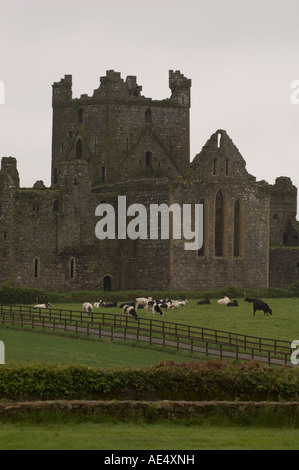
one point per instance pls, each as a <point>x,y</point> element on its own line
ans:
<point>9,171</point>
<point>62,91</point>
<point>180,88</point>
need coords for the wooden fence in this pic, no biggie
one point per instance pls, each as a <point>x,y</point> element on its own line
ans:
<point>153,331</point>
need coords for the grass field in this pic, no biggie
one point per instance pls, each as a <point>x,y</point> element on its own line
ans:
<point>132,436</point>
<point>282,324</point>
<point>27,346</point>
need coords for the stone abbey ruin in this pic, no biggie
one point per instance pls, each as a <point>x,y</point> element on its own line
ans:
<point>118,142</point>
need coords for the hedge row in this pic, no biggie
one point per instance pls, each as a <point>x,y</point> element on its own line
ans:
<point>211,380</point>
<point>10,294</point>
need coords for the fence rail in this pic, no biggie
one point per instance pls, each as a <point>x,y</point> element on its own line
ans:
<point>110,325</point>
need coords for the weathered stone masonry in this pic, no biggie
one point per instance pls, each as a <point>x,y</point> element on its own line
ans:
<point>118,142</point>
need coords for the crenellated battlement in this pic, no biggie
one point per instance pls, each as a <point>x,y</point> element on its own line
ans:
<point>180,87</point>
<point>62,91</point>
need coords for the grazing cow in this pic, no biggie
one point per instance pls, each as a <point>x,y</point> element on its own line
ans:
<point>153,307</point>
<point>87,308</point>
<point>204,302</point>
<point>132,304</point>
<point>129,311</point>
<point>142,301</point>
<point>162,304</point>
<point>262,306</point>
<point>233,304</point>
<point>223,301</point>
<point>250,300</point>
<point>46,305</point>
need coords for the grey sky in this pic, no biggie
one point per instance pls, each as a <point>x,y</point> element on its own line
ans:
<point>240,55</point>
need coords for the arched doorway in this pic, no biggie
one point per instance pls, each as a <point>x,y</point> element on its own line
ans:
<point>107,283</point>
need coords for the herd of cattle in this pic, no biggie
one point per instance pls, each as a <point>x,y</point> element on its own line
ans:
<point>155,306</point>
<point>130,308</point>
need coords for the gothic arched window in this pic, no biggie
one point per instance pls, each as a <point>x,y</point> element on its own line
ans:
<point>237,227</point>
<point>219,225</point>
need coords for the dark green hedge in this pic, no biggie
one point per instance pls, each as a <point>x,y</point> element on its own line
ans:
<point>211,380</point>
<point>21,295</point>
<point>10,294</point>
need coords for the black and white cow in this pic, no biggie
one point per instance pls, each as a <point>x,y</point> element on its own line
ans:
<point>129,311</point>
<point>87,308</point>
<point>153,307</point>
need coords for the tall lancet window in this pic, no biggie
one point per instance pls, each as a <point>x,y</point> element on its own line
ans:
<point>219,225</point>
<point>238,232</point>
<point>201,251</point>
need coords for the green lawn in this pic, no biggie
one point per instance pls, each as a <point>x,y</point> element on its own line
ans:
<point>282,324</point>
<point>27,346</point>
<point>132,436</point>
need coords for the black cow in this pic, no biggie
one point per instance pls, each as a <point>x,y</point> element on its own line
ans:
<point>233,304</point>
<point>261,306</point>
<point>203,302</point>
<point>248,299</point>
<point>112,304</point>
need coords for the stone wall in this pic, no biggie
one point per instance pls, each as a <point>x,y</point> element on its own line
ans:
<point>120,143</point>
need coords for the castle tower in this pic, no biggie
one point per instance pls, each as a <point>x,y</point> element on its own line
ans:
<point>120,133</point>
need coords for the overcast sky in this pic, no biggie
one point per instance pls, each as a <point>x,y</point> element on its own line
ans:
<point>241,56</point>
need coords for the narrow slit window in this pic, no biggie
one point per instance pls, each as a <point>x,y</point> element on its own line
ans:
<point>79,149</point>
<point>36,268</point>
<point>72,268</point>
<point>148,116</point>
<point>148,159</point>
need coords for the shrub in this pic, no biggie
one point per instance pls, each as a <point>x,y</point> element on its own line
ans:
<point>209,380</point>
